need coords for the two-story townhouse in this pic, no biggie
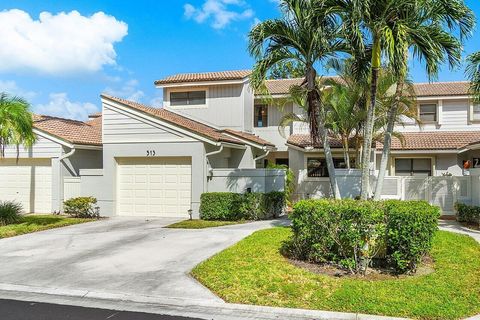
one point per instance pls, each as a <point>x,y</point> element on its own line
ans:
<point>157,161</point>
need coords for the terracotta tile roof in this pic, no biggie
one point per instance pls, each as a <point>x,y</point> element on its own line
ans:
<point>458,88</point>
<point>205,76</point>
<point>433,89</point>
<point>304,141</point>
<point>249,136</point>
<point>72,131</point>
<point>446,140</point>
<point>178,120</point>
<point>282,86</point>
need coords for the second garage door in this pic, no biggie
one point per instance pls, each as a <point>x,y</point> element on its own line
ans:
<point>29,182</point>
<point>154,187</point>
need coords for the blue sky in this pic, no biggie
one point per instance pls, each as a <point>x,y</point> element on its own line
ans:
<point>62,62</point>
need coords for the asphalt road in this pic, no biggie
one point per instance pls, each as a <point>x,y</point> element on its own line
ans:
<point>22,310</point>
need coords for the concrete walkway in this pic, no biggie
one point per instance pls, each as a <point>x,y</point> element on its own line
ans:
<point>454,226</point>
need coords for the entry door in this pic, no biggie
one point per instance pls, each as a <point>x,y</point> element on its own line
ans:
<point>154,187</point>
<point>28,182</point>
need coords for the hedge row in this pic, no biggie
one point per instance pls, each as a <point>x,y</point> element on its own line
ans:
<point>357,234</point>
<point>236,206</point>
<point>466,213</point>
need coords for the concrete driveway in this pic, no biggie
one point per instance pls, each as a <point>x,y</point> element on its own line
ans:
<point>118,256</point>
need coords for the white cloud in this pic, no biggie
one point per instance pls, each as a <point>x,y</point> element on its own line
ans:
<point>60,106</point>
<point>220,13</point>
<point>58,43</point>
<point>10,87</point>
<point>129,91</point>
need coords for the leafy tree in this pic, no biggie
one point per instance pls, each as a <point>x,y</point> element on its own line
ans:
<point>473,72</point>
<point>307,33</point>
<point>427,27</point>
<point>16,123</point>
<point>287,70</point>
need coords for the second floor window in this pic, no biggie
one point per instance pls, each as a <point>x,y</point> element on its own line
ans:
<point>428,112</point>
<point>188,98</point>
<point>261,116</point>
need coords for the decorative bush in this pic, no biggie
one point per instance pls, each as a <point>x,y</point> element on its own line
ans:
<point>220,206</point>
<point>10,212</point>
<point>411,226</point>
<point>353,234</point>
<point>82,207</point>
<point>468,214</point>
<point>235,206</point>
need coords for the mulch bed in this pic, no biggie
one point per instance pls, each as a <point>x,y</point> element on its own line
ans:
<point>426,267</point>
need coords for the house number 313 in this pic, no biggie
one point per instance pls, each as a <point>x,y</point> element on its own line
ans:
<point>151,153</point>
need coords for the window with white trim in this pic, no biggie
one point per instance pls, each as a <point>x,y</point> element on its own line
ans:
<point>188,98</point>
<point>261,116</point>
<point>476,112</point>
<point>413,167</point>
<point>428,112</point>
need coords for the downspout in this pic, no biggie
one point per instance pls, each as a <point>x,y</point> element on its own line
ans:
<point>209,167</point>
<point>61,184</point>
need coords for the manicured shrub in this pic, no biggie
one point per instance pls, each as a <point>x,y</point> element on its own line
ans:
<point>411,226</point>
<point>81,207</point>
<point>235,206</point>
<point>467,213</point>
<point>353,233</point>
<point>10,212</point>
<point>220,206</point>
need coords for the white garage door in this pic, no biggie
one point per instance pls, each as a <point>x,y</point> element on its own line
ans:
<point>154,187</point>
<point>29,182</point>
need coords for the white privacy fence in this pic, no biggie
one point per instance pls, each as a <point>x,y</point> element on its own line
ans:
<point>243,180</point>
<point>439,191</point>
<point>442,191</point>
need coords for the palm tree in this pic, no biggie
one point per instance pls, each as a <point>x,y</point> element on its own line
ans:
<point>306,34</point>
<point>473,73</point>
<point>16,123</point>
<point>427,27</point>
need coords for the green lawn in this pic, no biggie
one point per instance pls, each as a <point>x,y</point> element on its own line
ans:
<point>254,272</point>
<point>34,223</point>
<point>202,224</point>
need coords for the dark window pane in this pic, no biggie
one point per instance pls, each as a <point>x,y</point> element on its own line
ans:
<point>428,112</point>
<point>260,116</point>
<point>281,162</point>
<point>197,97</point>
<point>188,98</point>
<point>413,167</point>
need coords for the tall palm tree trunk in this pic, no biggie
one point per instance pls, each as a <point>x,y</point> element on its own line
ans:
<point>387,141</point>
<point>368,134</point>
<point>317,127</point>
<point>346,148</point>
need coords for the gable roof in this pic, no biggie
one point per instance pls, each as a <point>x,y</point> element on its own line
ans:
<point>202,129</point>
<point>205,76</point>
<point>72,131</point>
